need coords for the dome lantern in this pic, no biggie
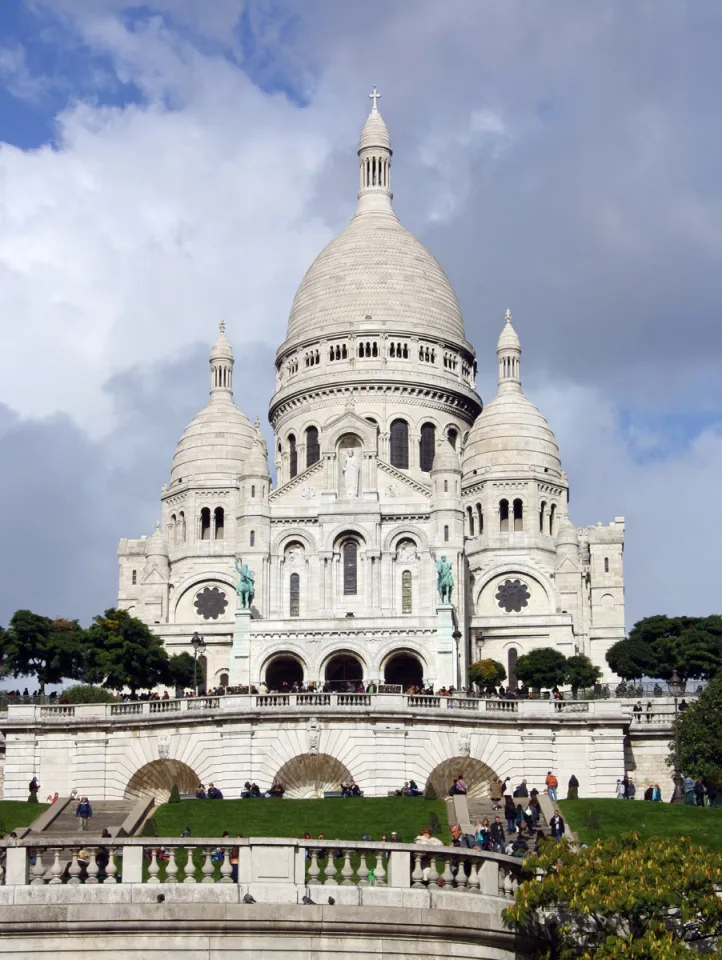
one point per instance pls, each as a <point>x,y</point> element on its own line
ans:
<point>508,351</point>
<point>221,361</point>
<point>375,162</point>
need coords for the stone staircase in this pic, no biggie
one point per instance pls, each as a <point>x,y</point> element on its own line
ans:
<point>482,807</point>
<point>107,814</point>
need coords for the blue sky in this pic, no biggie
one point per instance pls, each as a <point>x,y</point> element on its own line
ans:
<point>166,165</point>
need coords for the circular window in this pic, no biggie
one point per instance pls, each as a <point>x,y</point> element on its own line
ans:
<point>513,595</point>
<point>211,603</point>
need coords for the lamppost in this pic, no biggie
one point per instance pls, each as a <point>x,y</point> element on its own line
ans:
<point>199,645</point>
<point>677,687</point>
<point>457,637</point>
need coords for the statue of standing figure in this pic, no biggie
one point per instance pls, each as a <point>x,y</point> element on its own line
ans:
<point>246,588</point>
<point>444,580</point>
<point>350,474</point>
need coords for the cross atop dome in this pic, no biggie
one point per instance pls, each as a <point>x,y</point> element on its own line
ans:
<point>507,315</point>
<point>374,95</point>
<point>222,326</point>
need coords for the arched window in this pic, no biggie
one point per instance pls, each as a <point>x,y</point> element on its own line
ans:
<point>406,599</point>
<point>452,436</point>
<point>313,450</point>
<point>252,539</point>
<point>400,444</point>
<point>446,486</point>
<point>135,577</point>
<point>504,516</point>
<point>181,527</point>
<point>480,518</point>
<point>606,564</point>
<point>205,523</point>
<point>253,490</point>
<point>511,663</point>
<point>292,457</point>
<point>350,568</point>
<point>470,518</point>
<point>427,447</point>
<point>218,519</point>
<point>446,534</point>
<point>542,515</point>
<point>518,515</point>
<point>552,516</point>
<point>223,680</point>
<point>295,595</point>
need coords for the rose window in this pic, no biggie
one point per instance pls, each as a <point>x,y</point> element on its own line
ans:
<point>211,603</point>
<point>513,595</point>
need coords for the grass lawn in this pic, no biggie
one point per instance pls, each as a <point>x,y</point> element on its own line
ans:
<point>702,824</point>
<point>337,819</point>
<point>19,813</point>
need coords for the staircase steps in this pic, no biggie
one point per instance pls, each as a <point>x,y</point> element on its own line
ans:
<point>107,814</point>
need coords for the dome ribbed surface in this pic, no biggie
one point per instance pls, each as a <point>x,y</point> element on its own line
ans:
<point>214,444</point>
<point>375,132</point>
<point>508,338</point>
<point>511,433</point>
<point>445,457</point>
<point>375,268</point>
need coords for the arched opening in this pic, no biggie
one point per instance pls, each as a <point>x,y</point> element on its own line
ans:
<point>406,592</point>
<point>218,522</point>
<point>181,527</point>
<point>135,577</point>
<point>294,591</point>
<point>511,668</point>
<point>518,516</point>
<point>292,457</point>
<point>446,534</point>
<point>542,515</point>
<point>452,436</point>
<point>404,668</point>
<point>342,669</point>
<point>480,518</point>
<point>313,450</point>
<point>310,775</point>
<point>283,672</point>
<point>350,568</point>
<point>427,447</point>
<point>477,776</point>
<point>606,564</point>
<point>223,680</point>
<point>470,520</point>
<point>205,523</point>
<point>156,779</point>
<point>400,444</point>
<point>552,517</point>
<point>252,538</point>
<point>504,516</point>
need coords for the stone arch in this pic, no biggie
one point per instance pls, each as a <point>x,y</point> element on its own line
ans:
<point>476,774</point>
<point>402,532</point>
<point>294,533</point>
<point>350,530</point>
<point>284,664</point>
<point>309,775</point>
<point>193,581</point>
<point>522,569</point>
<point>342,660</point>
<point>156,779</point>
<point>405,667</point>
<point>415,648</point>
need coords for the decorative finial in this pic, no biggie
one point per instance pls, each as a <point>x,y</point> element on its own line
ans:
<point>507,315</point>
<point>257,425</point>
<point>350,402</point>
<point>374,95</point>
<point>157,526</point>
<point>222,326</point>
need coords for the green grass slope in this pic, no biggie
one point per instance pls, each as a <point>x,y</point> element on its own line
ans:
<point>703,825</point>
<point>18,813</point>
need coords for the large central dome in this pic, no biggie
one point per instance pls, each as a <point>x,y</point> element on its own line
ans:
<point>375,269</point>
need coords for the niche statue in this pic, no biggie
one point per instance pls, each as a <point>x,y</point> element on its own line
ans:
<point>444,580</point>
<point>246,588</point>
<point>350,474</point>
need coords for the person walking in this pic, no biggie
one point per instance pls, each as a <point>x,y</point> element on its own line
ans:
<point>495,793</point>
<point>33,788</point>
<point>552,784</point>
<point>496,832</point>
<point>557,826</point>
<point>510,813</point>
<point>84,812</point>
<point>573,788</point>
<point>699,792</point>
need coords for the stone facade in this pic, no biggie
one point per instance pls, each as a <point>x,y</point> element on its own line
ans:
<point>386,461</point>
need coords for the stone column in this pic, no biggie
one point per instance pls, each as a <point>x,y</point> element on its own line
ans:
<point>240,673</point>
<point>445,646</point>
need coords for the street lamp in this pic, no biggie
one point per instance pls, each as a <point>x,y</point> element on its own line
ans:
<point>199,645</point>
<point>457,637</point>
<point>677,687</point>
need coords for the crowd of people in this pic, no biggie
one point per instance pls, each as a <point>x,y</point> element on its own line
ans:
<point>698,792</point>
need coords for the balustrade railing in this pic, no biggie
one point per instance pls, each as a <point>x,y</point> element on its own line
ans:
<point>51,861</point>
<point>502,706</point>
<point>422,700</point>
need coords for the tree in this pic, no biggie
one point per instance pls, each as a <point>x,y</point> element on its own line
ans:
<point>49,650</point>
<point>544,667</point>
<point>581,672</point>
<point>487,673</point>
<point>659,645</point>
<point>123,652</point>
<point>632,659</point>
<point>181,670</point>
<point>622,897</point>
<point>86,693</point>
<point>700,734</point>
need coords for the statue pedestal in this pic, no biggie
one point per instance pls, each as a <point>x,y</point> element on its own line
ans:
<point>240,673</point>
<point>445,646</point>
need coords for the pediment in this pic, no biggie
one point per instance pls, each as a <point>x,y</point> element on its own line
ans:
<point>394,484</point>
<point>304,490</point>
<point>349,422</point>
<point>154,576</point>
<point>569,566</point>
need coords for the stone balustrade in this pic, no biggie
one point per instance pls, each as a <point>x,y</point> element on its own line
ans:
<point>269,869</point>
<point>335,703</point>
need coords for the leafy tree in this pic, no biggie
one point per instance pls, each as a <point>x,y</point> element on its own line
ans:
<point>86,693</point>
<point>581,672</point>
<point>123,652</point>
<point>700,734</point>
<point>49,650</point>
<point>659,645</point>
<point>544,667</point>
<point>181,670</point>
<point>632,659</point>
<point>622,897</point>
<point>487,673</point>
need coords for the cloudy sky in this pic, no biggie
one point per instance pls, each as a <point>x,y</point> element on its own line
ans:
<point>166,165</point>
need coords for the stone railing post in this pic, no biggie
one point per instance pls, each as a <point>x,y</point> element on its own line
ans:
<point>399,873</point>
<point>132,869</point>
<point>16,866</point>
<point>489,877</point>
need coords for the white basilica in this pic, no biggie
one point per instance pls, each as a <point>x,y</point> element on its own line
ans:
<point>386,461</point>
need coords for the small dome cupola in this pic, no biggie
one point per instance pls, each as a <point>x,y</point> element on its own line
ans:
<point>375,162</point>
<point>222,366</point>
<point>508,351</point>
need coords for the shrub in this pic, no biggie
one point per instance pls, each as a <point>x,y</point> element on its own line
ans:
<point>174,794</point>
<point>434,822</point>
<point>150,828</point>
<point>86,693</point>
<point>592,820</point>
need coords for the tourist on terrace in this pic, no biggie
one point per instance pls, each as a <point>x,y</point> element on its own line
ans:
<point>621,790</point>
<point>482,833</point>
<point>495,792</point>
<point>522,790</point>
<point>637,711</point>
<point>496,833</point>
<point>711,788</point>
<point>33,788</point>
<point>631,790</point>
<point>510,813</point>
<point>84,812</point>
<point>461,839</point>
<point>214,793</point>
<point>557,826</point>
<point>201,793</point>
<point>255,791</point>
<point>277,790</point>
<point>573,788</point>
<point>699,792</point>
<point>552,784</point>
<point>649,792</point>
<point>458,787</point>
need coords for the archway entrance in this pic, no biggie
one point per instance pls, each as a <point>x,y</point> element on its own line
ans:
<point>404,668</point>
<point>308,776</point>
<point>156,779</point>
<point>282,672</point>
<point>477,775</point>
<point>343,669</point>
